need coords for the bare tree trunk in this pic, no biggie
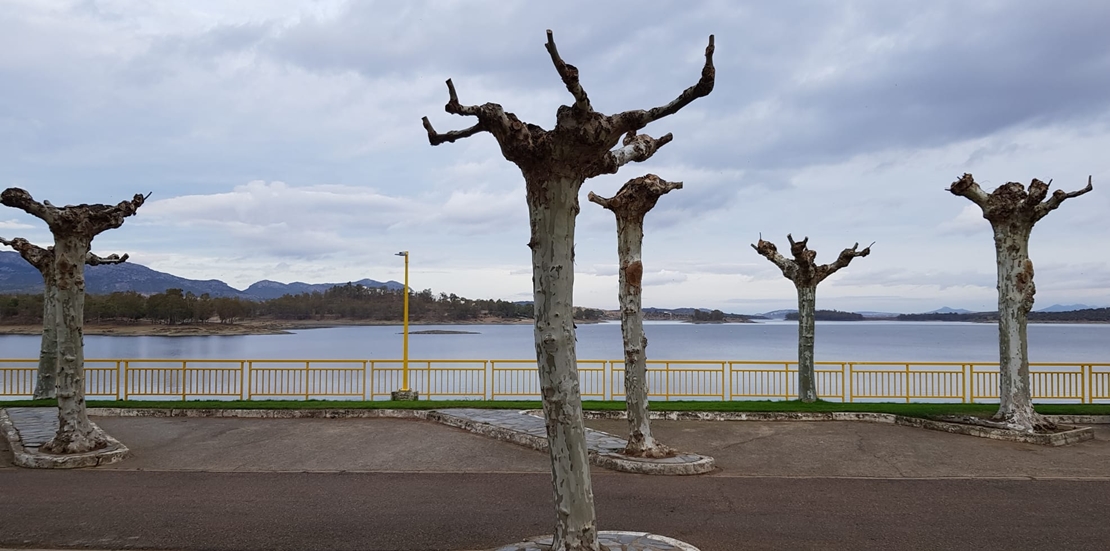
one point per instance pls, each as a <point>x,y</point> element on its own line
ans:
<point>45,386</point>
<point>1015,301</point>
<point>552,214</point>
<point>804,271</point>
<point>630,205</point>
<point>1013,211</point>
<point>75,433</point>
<point>630,237</point>
<point>807,306</point>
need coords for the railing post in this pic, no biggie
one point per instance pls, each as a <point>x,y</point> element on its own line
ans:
<point>786,381</point>
<point>907,383</point>
<point>306,380</point>
<point>1085,379</point>
<point>726,382</point>
<point>183,362</point>
<point>607,380</point>
<point>848,383</point>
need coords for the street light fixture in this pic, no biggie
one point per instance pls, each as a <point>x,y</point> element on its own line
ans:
<point>405,393</point>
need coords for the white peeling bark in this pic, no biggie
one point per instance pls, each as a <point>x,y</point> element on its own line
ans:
<point>807,307</point>
<point>46,385</point>
<point>630,236</point>
<point>75,433</point>
<point>1012,211</point>
<point>553,207</point>
<point>43,261</point>
<point>1015,301</point>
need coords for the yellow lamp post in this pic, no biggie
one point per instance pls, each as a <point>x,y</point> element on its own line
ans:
<point>405,393</point>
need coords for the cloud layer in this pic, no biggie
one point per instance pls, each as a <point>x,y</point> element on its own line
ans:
<point>281,139</point>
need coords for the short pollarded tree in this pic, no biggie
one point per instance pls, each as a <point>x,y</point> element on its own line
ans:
<point>1012,212</point>
<point>74,228</point>
<point>43,261</point>
<point>555,163</point>
<point>804,271</point>
<point>631,203</point>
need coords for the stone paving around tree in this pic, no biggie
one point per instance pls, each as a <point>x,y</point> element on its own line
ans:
<point>609,541</point>
<point>27,429</point>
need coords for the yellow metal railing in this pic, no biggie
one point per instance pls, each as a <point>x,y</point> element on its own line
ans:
<point>518,379</point>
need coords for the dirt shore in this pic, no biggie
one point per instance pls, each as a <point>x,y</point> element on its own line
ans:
<point>248,327</point>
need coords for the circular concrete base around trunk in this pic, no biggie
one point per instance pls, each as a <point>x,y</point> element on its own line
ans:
<point>609,540</point>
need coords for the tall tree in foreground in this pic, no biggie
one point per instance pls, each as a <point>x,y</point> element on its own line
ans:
<point>806,274</point>
<point>631,203</point>
<point>1012,212</point>
<point>554,164</point>
<point>43,261</point>
<point>74,228</point>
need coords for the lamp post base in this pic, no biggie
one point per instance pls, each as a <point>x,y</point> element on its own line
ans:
<point>404,395</point>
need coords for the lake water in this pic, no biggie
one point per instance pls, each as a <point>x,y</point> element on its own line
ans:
<point>835,341</point>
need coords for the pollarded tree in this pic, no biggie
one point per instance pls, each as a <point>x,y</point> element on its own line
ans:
<point>74,228</point>
<point>631,203</point>
<point>1012,212</point>
<point>806,274</point>
<point>554,164</point>
<point>43,261</point>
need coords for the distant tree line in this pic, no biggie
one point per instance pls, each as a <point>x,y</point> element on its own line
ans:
<point>1088,315</point>
<point>349,301</point>
<point>702,315</point>
<point>829,315</point>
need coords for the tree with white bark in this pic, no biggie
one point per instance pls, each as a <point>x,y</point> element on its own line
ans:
<point>43,261</point>
<point>631,203</point>
<point>74,228</point>
<point>804,271</point>
<point>1012,211</point>
<point>555,163</point>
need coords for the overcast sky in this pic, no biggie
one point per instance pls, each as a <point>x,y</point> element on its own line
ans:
<point>282,139</point>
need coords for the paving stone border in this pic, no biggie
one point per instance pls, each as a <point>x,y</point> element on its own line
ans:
<point>609,540</point>
<point>1071,434</point>
<point>30,456</point>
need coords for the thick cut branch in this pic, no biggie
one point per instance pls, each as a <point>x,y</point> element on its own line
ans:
<point>449,137</point>
<point>636,149</point>
<point>637,196</point>
<point>966,187</point>
<point>569,74</point>
<point>42,259</point>
<point>770,252</point>
<point>631,121</point>
<point>20,199</point>
<point>1058,197</point>
<point>93,260</point>
<point>842,261</point>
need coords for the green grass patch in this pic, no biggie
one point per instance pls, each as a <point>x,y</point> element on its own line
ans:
<point>899,408</point>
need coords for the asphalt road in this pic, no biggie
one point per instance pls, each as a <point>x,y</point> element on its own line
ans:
<point>455,511</point>
<point>223,484</point>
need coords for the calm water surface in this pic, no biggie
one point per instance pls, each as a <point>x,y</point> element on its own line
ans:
<point>835,341</point>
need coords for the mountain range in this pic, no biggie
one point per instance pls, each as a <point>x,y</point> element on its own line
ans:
<point>17,276</point>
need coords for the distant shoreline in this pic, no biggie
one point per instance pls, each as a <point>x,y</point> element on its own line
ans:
<point>247,327</point>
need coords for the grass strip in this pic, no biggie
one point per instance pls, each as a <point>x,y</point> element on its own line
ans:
<point>899,408</point>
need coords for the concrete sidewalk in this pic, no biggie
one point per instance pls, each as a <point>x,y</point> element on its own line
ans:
<point>741,448</point>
